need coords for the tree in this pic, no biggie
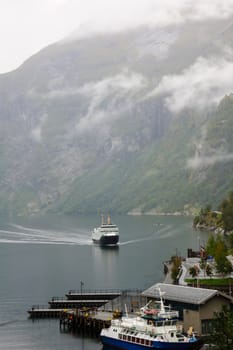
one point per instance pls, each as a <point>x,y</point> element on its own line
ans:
<point>176,265</point>
<point>202,217</point>
<point>222,332</point>
<point>211,246</point>
<point>223,265</point>
<point>226,208</point>
<point>230,242</point>
<point>194,271</point>
<point>209,271</point>
<point>203,265</point>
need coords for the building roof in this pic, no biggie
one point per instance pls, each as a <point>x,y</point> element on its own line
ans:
<point>182,294</point>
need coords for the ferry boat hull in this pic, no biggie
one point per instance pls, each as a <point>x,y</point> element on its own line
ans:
<point>123,345</point>
<point>107,239</point>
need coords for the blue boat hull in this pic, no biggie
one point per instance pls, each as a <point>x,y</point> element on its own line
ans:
<point>123,345</point>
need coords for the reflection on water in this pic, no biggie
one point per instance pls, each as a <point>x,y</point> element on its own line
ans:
<point>105,264</point>
<point>110,247</point>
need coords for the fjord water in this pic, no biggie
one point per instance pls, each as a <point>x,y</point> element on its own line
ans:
<point>45,256</point>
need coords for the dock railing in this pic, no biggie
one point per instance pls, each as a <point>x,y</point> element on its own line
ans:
<point>104,291</point>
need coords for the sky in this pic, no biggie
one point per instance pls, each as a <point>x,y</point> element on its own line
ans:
<point>27,26</point>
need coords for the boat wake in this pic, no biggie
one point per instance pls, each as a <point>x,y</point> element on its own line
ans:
<point>164,233</point>
<point>29,235</point>
<point>7,323</point>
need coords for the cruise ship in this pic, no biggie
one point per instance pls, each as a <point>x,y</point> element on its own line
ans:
<point>107,234</point>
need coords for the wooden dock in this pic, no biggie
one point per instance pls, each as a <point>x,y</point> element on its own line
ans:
<point>76,304</point>
<point>43,312</point>
<point>86,322</point>
<point>89,301</point>
<point>95,295</point>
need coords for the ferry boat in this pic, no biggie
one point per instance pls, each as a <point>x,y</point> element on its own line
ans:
<point>107,234</point>
<point>140,333</point>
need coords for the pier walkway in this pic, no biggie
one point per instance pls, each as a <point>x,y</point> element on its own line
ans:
<point>93,294</point>
<point>108,301</point>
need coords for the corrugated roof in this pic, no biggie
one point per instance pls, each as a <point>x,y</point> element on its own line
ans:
<point>181,293</point>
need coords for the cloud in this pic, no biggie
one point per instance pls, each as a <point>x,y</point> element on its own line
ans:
<point>57,93</point>
<point>128,14</point>
<point>201,85</point>
<point>36,134</point>
<point>202,161</point>
<point>109,97</point>
<point>206,155</point>
<point>27,26</point>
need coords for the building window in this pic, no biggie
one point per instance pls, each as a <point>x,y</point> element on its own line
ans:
<point>206,326</point>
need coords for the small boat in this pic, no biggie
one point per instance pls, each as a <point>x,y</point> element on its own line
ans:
<point>158,311</point>
<point>158,332</point>
<point>107,234</point>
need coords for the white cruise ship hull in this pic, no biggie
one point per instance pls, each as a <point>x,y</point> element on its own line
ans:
<point>106,234</point>
<point>104,237</point>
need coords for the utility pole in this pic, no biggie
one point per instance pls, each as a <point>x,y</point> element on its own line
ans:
<point>81,286</point>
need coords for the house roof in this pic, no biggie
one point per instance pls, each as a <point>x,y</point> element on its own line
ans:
<point>183,294</point>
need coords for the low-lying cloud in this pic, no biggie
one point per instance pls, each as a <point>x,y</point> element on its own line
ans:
<point>121,87</point>
<point>200,86</point>
<point>51,20</point>
<point>128,14</point>
<point>36,132</point>
<point>203,161</point>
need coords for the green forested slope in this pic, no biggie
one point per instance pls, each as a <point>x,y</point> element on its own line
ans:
<point>160,177</point>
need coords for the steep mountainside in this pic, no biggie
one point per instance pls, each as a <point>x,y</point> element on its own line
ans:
<point>84,127</point>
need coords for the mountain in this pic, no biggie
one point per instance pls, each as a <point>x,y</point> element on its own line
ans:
<point>97,124</point>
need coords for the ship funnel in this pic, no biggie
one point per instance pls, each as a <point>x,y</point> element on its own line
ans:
<point>109,220</point>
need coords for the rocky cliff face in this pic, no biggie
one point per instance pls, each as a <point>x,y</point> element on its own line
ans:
<point>81,108</point>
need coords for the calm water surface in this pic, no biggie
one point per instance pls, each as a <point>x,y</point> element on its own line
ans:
<point>45,256</point>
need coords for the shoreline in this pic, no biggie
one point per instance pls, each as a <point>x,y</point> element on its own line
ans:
<point>154,213</point>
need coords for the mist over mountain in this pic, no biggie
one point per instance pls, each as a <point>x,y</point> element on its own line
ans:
<point>134,121</point>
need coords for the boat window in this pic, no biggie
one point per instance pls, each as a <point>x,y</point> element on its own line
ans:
<point>142,341</point>
<point>138,340</point>
<point>172,334</point>
<point>129,338</point>
<point>133,339</point>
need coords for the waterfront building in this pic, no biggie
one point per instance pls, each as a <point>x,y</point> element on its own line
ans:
<point>196,306</point>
